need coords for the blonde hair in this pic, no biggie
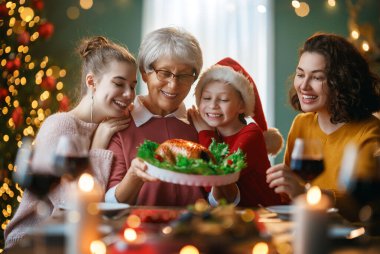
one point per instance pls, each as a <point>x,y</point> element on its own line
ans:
<point>229,76</point>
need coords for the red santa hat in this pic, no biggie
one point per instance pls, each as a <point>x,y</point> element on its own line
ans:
<point>233,73</point>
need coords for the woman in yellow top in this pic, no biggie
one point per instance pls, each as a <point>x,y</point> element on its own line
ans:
<point>337,94</point>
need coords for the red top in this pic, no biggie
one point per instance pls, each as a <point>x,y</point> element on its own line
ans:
<point>124,147</point>
<point>253,187</point>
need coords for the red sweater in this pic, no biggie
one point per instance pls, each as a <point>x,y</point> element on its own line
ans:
<point>252,183</point>
<point>124,144</point>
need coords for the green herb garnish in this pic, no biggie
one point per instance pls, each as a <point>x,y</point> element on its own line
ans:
<point>225,163</point>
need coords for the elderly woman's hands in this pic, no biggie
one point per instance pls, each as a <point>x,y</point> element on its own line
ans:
<point>128,189</point>
<point>283,180</point>
<point>197,120</point>
<point>138,170</point>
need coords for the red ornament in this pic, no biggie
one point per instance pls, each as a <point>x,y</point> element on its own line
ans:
<point>24,38</point>
<point>17,63</point>
<point>12,65</point>
<point>3,93</point>
<point>230,162</point>
<point>48,83</point>
<point>46,30</point>
<point>18,116</point>
<point>3,10</point>
<point>38,4</point>
<point>64,104</point>
<point>9,65</point>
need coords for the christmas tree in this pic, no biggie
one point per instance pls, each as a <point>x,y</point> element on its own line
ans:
<point>31,88</point>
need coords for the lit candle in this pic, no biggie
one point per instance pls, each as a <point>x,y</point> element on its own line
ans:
<point>311,221</point>
<point>83,220</point>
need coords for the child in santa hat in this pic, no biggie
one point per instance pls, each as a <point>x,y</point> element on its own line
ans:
<point>225,95</point>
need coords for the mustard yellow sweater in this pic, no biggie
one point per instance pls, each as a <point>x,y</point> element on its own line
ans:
<point>364,134</point>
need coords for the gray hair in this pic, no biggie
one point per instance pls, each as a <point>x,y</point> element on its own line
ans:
<point>229,76</point>
<point>173,42</point>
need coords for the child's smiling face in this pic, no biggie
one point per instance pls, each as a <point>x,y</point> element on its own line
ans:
<point>220,106</point>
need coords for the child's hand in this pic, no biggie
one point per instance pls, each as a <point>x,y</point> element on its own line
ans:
<point>197,120</point>
<point>107,129</point>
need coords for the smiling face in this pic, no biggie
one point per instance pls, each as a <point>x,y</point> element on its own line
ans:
<point>165,97</point>
<point>220,106</point>
<point>310,83</point>
<point>115,91</point>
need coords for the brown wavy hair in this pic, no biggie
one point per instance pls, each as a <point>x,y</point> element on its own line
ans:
<point>97,52</point>
<point>354,91</point>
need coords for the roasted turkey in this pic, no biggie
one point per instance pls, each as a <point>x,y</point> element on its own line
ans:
<point>169,150</point>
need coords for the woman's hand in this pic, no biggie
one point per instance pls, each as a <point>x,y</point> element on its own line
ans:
<point>138,170</point>
<point>197,120</point>
<point>107,129</point>
<point>283,180</point>
<point>129,188</point>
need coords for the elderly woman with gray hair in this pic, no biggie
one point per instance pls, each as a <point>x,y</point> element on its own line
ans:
<point>170,60</point>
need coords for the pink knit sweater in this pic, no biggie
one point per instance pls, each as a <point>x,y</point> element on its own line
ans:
<point>45,145</point>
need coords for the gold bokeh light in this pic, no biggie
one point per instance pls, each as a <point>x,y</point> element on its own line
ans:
<point>303,10</point>
<point>27,14</point>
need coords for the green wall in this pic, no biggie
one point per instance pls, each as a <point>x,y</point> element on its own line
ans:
<point>119,20</point>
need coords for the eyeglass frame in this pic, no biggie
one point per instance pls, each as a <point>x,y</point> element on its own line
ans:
<point>172,76</point>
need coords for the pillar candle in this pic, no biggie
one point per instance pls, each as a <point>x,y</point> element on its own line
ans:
<point>83,219</point>
<point>311,223</point>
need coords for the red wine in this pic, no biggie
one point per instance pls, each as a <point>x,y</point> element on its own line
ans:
<point>307,169</point>
<point>70,165</point>
<point>40,184</point>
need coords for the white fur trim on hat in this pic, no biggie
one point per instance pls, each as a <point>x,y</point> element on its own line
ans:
<point>229,76</point>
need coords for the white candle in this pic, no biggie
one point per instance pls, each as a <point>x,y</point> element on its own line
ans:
<point>311,222</point>
<point>83,220</point>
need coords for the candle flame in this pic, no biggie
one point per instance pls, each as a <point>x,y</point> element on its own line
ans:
<point>130,235</point>
<point>86,182</point>
<point>98,247</point>
<point>314,195</point>
<point>189,249</point>
<point>260,248</point>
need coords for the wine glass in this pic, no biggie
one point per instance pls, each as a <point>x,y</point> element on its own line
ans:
<point>307,159</point>
<point>71,156</point>
<point>39,183</point>
<point>36,182</point>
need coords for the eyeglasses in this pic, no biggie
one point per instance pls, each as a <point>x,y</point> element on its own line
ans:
<point>166,76</point>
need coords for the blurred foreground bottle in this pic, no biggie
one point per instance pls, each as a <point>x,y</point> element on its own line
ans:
<point>362,186</point>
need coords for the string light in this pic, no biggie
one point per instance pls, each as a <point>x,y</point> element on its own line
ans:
<point>331,3</point>
<point>295,4</point>
<point>365,46</point>
<point>355,34</point>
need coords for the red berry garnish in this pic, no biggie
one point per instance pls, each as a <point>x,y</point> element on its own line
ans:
<point>229,162</point>
<point>158,157</point>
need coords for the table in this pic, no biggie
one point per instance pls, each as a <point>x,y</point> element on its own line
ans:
<point>278,229</point>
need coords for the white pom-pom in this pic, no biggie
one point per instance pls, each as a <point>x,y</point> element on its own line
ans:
<point>273,141</point>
